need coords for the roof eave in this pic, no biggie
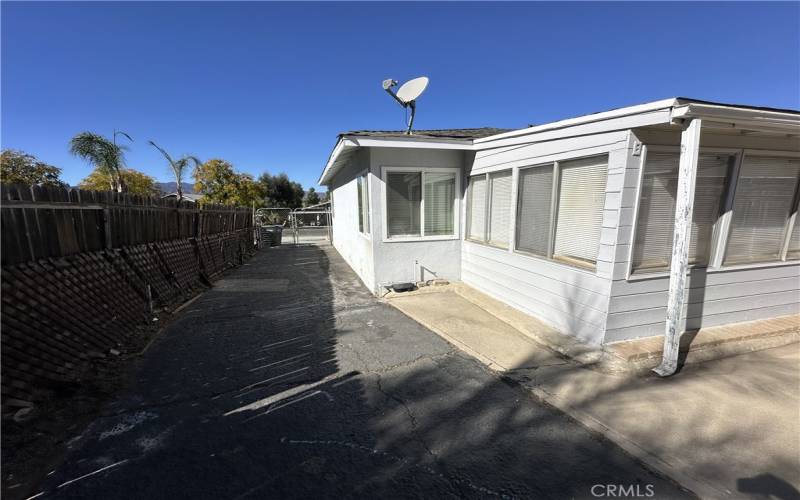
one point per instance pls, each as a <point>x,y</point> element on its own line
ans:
<point>740,117</point>
<point>355,141</point>
<point>337,149</point>
<point>581,120</point>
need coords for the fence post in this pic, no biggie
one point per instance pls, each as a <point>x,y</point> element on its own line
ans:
<point>107,226</point>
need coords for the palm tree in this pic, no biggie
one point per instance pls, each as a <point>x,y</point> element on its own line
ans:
<point>178,167</point>
<point>106,155</point>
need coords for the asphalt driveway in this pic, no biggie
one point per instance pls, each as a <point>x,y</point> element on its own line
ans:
<point>289,380</point>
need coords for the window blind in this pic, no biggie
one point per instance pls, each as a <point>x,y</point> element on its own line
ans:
<point>533,209</point>
<point>761,207</point>
<point>477,208</point>
<point>439,200</point>
<point>655,223</point>
<point>582,194</point>
<point>499,208</point>
<point>403,199</point>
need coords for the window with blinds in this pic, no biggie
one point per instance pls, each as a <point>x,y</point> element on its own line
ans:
<point>363,204</point>
<point>439,200</point>
<point>567,227</point>
<point>763,203</point>
<point>652,250</point>
<point>499,208</point>
<point>421,203</point>
<point>476,220</point>
<point>403,202</point>
<point>534,202</point>
<point>581,197</point>
<point>489,208</point>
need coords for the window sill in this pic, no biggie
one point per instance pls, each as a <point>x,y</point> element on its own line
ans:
<point>755,265</point>
<point>580,264</point>
<point>406,239</point>
<point>366,236</point>
<point>640,276</point>
<point>486,244</point>
<point>592,271</point>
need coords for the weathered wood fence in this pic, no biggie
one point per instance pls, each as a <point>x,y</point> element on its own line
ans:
<point>82,271</point>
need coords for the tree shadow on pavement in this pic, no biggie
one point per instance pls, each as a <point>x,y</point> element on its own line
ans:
<point>290,380</point>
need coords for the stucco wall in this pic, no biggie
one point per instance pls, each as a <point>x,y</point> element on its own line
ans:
<point>354,247</point>
<point>405,261</point>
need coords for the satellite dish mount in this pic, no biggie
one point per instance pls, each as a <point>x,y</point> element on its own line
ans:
<point>407,95</point>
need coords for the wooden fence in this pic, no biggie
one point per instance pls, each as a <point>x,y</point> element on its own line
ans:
<point>83,272</point>
<point>40,222</point>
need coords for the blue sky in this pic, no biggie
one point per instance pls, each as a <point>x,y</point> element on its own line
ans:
<point>267,86</point>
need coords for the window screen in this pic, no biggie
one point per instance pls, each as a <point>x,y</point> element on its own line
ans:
<point>764,199</point>
<point>403,200</point>
<point>580,210</point>
<point>477,208</point>
<point>439,201</point>
<point>656,217</point>
<point>499,208</point>
<point>533,209</point>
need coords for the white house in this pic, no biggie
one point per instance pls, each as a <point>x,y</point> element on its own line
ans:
<point>572,221</point>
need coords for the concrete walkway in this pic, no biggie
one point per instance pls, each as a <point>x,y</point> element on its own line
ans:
<point>289,380</point>
<point>724,428</point>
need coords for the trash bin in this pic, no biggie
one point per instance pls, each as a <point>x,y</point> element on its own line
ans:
<point>271,235</point>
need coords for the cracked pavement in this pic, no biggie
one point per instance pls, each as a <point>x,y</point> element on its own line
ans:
<point>289,380</point>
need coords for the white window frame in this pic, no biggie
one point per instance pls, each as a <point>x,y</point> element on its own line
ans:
<point>554,197</point>
<point>385,170</point>
<point>368,234</point>
<point>488,210</point>
<point>721,231</point>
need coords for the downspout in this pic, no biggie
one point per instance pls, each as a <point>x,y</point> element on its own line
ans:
<point>684,205</point>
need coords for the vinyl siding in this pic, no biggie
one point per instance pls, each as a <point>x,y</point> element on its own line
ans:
<point>571,299</point>
<point>637,306</point>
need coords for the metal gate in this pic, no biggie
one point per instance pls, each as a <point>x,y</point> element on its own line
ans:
<point>293,226</point>
<point>310,226</point>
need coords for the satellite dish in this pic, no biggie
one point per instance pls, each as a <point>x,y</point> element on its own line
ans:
<point>412,89</point>
<point>407,94</point>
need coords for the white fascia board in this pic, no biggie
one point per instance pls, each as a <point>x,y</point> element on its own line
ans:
<point>748,119</point>
<point>586,127</point>
<point>410,142</point>
<point>581,120</point>
<point>355,141</point>
<point>341,144</point>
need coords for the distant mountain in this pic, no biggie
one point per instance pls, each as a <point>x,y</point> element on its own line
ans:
<point>171,187</point>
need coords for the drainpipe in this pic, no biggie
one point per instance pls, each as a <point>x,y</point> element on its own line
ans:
<point>684,204</point>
